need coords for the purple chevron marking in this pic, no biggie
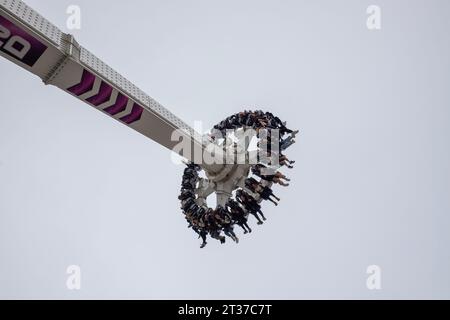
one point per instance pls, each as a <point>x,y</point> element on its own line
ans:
<point>134,116</point>
<point>86,84</point>
<point>103,95</point>
<point>119,106</point>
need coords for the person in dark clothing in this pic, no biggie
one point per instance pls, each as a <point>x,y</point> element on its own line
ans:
<point>250,204</point>
<point>186,194</point>
<point>212,227</point>
<point>249,120</point>
<point>252,184</point>
<point>188,184</point>
<point>190,172</point>
<point>202,234</point>
<point>200,212</point>
<point>261,171</point>
<point>238,215</point>
<point>193,208</point>
<point>284,161</point>
<point>224,220</point>
<point>200,231</point>
<point>187,204</point>
<point>264,191</point>
<point>266,194</point>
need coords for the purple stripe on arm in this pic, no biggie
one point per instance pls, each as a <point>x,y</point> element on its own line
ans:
<point>134,116</point>
<point>119,106</point>
<point>86,84</point>
<point>103,95</point>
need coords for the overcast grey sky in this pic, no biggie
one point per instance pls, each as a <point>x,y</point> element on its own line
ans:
<point>371,183</point>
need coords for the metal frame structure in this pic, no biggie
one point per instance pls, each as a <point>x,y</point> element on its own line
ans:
<point>35,44</point>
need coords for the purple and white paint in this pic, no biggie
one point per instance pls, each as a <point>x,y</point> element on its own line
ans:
<point>17,43</point>
<point>104,95</point>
